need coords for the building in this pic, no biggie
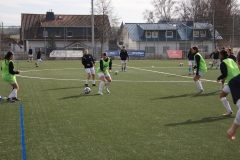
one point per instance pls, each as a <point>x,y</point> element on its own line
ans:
<point>70,32</point>
<point>157,38</point>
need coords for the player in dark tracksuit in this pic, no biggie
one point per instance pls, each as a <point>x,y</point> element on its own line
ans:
<point>124,57</point>
<point>88,62</point>
<point>215,56</point>
<point>234,86</point>
<point>38,57</point>
<point>190,62</point>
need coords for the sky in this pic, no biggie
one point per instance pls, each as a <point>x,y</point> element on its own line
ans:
<point>129,11</point>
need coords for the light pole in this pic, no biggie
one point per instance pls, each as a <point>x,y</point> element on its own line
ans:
<point>92,31</point>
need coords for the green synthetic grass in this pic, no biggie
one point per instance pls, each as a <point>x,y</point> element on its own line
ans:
<point>152,112</point>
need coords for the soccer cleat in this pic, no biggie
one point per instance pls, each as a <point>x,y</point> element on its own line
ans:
<point>200,90</point>
<point>16,99</point>
<point>100,93</point>
<point>227,113</point>
<point>124,70</point>
<point>190,73</point>
<point>106,89</point>
<point>10,100</point>
<point>94,85</point>
<point>86,85</point>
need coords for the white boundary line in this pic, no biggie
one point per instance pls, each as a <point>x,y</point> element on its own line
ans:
<point>113,79</point>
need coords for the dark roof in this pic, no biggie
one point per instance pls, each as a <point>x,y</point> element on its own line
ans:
<point>31,22</point>
<point>136,30</point>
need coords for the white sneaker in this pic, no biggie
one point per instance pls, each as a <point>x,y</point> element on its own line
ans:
<point>100,93</point>
<point>227,113</point>
<point>200,91</point>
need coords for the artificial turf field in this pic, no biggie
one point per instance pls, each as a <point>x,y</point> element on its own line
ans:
<point>152,112</point>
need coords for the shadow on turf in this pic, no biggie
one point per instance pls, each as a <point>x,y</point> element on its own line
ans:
<point>203,120</point>
<point>63,88</point>
<point>78,96</point>
<point>189,95</point>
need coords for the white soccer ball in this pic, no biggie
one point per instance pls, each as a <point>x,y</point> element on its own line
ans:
<point>210,63</point>
<point>87,90</point>
<point>181,64</point>
<point>116,72</point>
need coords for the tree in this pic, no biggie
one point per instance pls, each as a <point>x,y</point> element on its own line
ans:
<point>148,15</point>
<point>163,10</point>
<point>104,8</point>
<point>51,45</point>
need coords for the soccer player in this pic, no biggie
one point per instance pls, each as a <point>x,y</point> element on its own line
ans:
<point>88,62</point>
<point>200,66</point>
<point>30,54</point>
<point>215,56</point>
<point>230,54</point>
<point>234,86</point>
<point>190,62</point>
<point>229,69</point>
<point>124,57</point>
<point>39,54</point>
<point>8,75</point>
<point>102,70</point>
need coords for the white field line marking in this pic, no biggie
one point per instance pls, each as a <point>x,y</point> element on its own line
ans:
<point>99,80</point>
<point>49,70</point>
<point>168,73</point>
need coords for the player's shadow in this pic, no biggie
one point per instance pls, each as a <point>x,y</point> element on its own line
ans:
<point>52,89</point>
<point>188,95</point>
<point>79,96</point>
<point>203,120</point>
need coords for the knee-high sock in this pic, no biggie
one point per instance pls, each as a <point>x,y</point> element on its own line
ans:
<point>237,118</point>
<point>189,69</point>
<point>226,104</point>
<point>13,93</point>
<point>101,86</point>
<point>199,84</point>
<point>86,81</point>
<point>107,84</point>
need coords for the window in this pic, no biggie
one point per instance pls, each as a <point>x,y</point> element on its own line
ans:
<point>169,34</point>
<point>150,49</point>
<point>202,33</point>
<point>196,34</point>
<point>9,44</point>
<point>69,34</point>
<point>45,33</point>
<point>148,34</point>
<point>165,48</point>
<point>57,33</point>
<point>154,34</point>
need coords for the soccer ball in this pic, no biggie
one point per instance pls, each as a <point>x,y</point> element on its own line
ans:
<point>116,72</point>
<point>87,90</point>
<point>181,64</point>
<point>210,63</point>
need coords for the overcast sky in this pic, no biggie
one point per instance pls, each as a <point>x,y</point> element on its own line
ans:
<point>127,10</point>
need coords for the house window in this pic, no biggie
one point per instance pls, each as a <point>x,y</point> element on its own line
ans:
<point>148,34</point>
<point>69,34</point>
<point>202,33</point>
<point>150,49</point>
<point>9,44</point>
<point>57,33</point>
<point>165,48</point>
<point>196,34</point>
<point>168,34</point>
<point>154,34</point>
<point>45,33</point>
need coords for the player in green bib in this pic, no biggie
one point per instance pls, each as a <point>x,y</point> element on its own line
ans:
<point>229,69</point>
<point>103,74</point>
<point>200,66</point>
<point>8,75</point>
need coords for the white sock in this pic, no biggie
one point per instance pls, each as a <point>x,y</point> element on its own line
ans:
<point>199,84</point>
<point>13,93</point>
<point>107,84</point>
<point>93,81</point>
<point>101,86</point>
<point>226,104</point>
<point>86,81</point>
<point>237,118</point>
